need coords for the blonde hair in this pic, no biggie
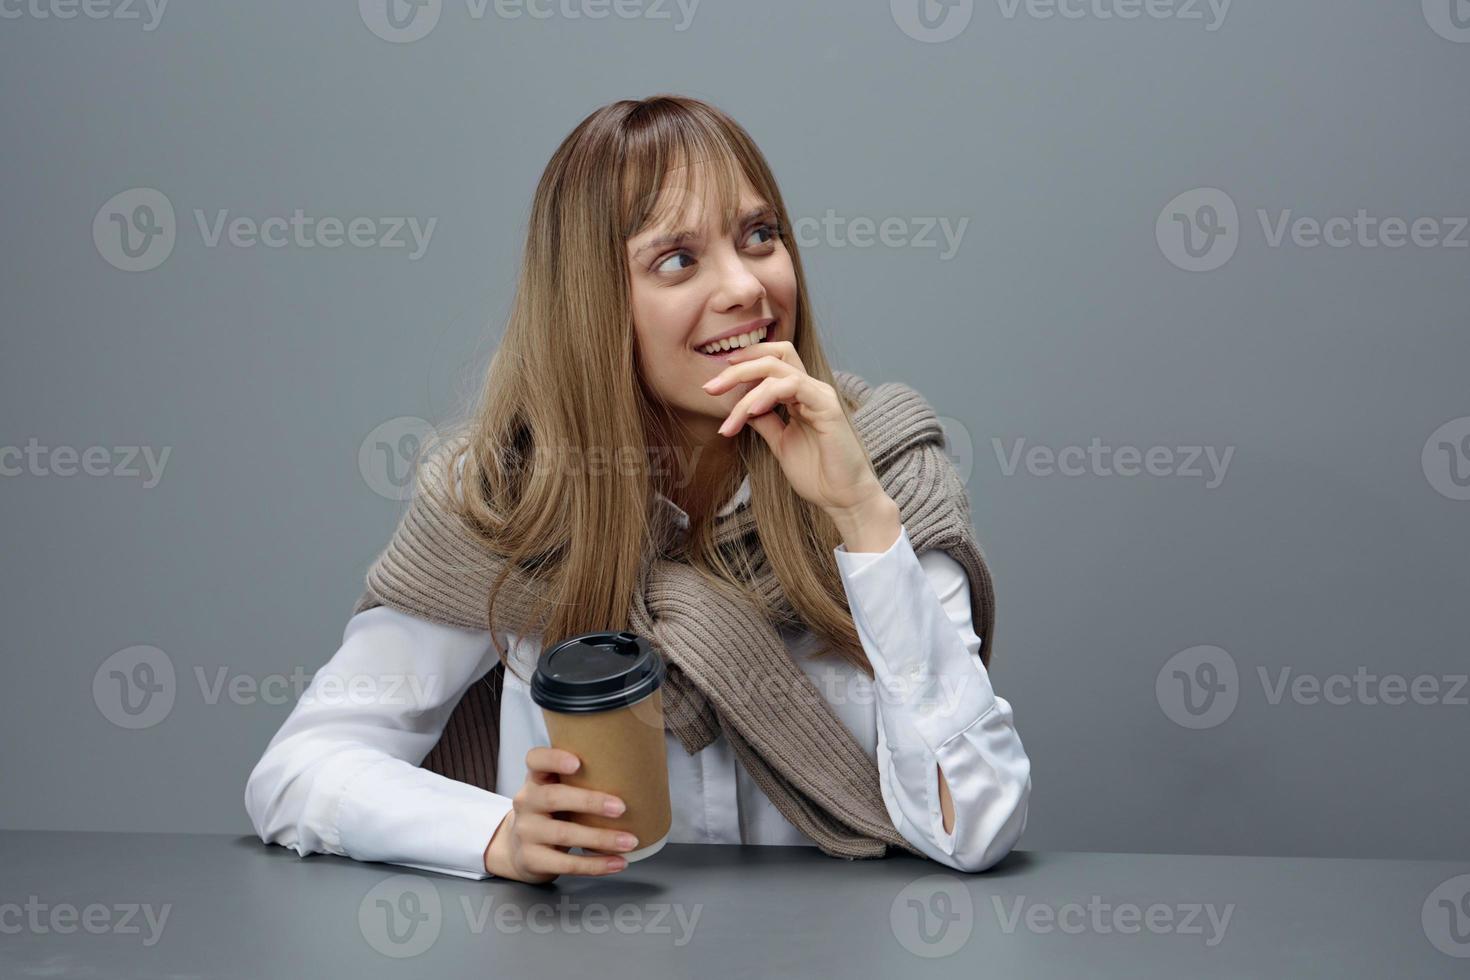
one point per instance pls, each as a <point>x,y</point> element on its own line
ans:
<point>566,376</point>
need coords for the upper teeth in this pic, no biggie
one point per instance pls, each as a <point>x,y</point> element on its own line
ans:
<point>729,343</point>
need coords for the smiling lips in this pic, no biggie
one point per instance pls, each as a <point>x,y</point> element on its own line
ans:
<point>721,348</point>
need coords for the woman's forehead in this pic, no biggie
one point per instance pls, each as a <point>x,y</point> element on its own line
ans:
<point>685,207</point>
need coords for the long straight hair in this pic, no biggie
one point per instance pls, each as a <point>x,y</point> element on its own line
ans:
<point>566,376</point>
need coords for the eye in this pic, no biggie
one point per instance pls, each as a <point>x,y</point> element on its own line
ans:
<point>765,228</point>
<point>672,257</point>
<point>769,229</point>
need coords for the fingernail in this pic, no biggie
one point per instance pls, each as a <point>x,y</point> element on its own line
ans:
<point>627,841</point>
<point>616,864</point>
<point>613,808</point>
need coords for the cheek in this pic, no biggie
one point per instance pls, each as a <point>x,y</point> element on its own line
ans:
<point>664,323</point>
<point>782,282</point>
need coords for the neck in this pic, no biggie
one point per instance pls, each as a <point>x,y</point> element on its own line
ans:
<point>704,463</point>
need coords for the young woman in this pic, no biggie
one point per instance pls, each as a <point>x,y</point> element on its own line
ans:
<point>792,525</point>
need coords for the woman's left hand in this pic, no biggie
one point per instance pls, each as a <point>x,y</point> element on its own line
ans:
<point>818,448</point>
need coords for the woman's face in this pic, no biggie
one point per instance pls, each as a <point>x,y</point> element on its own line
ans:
<point>689,291</point>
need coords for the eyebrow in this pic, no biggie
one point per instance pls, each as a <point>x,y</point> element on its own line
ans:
<point>764,210</point>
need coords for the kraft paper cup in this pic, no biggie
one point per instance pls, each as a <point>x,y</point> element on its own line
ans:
<point>600,696</point>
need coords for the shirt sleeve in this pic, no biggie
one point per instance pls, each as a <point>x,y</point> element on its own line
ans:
<point>935,706</point>
<point>342,775</point>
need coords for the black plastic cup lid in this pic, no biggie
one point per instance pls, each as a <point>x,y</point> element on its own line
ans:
<point>596,672</point>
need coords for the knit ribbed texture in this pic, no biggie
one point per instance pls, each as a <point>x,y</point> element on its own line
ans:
<point>728,668</point>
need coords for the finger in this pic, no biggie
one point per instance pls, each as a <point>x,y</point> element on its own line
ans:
<point>761,399</point>
<point>543,758</point>
<point>558,833</point>
<point>769,427</point>
<point>561,798</point>
<point>784,349</point>
<point>750,370</point>
<point>540,859</point>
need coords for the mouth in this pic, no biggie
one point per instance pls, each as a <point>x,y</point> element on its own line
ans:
<point>756,336</point>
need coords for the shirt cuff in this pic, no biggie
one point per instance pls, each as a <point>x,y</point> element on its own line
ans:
<point>401,814</point>
<point>922,668</point>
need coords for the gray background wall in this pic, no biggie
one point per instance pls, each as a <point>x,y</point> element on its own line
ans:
<point>1335,544</point>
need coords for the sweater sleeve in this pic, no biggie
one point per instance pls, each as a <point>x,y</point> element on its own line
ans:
<point>342,774</point>
<point>936,708</point>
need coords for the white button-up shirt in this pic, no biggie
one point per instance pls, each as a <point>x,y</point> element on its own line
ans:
<point>342,775</point>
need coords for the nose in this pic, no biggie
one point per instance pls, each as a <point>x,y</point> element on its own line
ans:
<point>738,287</point>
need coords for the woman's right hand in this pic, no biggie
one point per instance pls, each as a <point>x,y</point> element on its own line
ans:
<point>532,843</point>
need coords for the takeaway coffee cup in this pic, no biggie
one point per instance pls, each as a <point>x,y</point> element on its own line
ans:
<point>600,695</point>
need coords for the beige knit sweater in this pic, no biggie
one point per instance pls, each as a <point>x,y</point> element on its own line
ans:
<point>728,669</point>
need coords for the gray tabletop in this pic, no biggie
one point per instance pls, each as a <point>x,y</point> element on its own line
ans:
<point>195,905</point>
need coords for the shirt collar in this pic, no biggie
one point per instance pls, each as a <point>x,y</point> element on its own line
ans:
<point>741,496</point>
